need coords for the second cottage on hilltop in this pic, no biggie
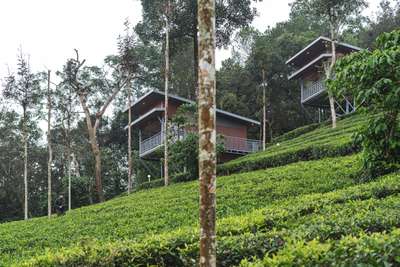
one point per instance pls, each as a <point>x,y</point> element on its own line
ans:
<point>308,65</point>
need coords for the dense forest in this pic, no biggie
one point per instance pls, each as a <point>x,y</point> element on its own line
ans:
<point>238,85</point>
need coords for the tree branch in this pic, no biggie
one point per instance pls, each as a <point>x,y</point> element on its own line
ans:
<point>107,103</point>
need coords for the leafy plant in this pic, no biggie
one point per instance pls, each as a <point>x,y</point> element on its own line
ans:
<point>372,77</point>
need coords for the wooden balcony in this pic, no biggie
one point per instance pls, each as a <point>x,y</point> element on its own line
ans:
<point>311,91</point>
<point>233,145</point>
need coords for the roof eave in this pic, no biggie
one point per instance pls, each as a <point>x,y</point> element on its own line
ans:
<point>233,115</point>
<point>356,48</point>
<point>298,72</point>
<point>306,48</point>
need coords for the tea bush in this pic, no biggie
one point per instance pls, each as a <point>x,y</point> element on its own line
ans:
<point>160,210</point>
<point>345,227</point>
<point>317,144</point>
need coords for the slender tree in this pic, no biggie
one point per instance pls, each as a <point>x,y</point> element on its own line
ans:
<point>50,159</point>
<point>129,67</point>
<point>167,15</point>
<point>337,14</point>
<point>24,89</point>
<point>264,134</point>
<point>130,163</point>
<point>85,81</point>
<point>66,115</point>
<point>207,132</point>
<point>96,88</point>
<point>232,15</point>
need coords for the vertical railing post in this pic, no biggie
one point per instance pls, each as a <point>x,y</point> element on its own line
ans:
<point>140,142</point>
<point>302,89</point>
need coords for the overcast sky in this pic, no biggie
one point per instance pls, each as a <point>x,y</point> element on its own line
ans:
<point>49,30</point>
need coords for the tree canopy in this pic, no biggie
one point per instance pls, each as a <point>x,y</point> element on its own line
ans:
<point>373,78</point>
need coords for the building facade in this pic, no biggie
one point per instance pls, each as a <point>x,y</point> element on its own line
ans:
<point>148,118</point>
<point>308,65</point>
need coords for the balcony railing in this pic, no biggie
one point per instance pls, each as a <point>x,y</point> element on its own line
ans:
<point>231,144</point>
<point>312,90</point>
<point>240,145</point>
<point>151,143</point>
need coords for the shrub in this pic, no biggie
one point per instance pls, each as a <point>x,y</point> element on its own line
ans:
<point>372,77</point>
<point>151,184</point>
<point>296,133</point>
<point>182,177</point>
<point>317,144</point>
<point>184,155</point>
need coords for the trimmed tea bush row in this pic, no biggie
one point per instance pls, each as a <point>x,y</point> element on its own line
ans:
<point>166,209</point>
<point>177,178</point>
<point>317,144</point>
<point>296,133</point>
<point>296,232</point>
<point>377,249</point>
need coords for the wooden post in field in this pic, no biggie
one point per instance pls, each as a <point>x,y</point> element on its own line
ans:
<point>207,132</point>
<point>50,160</point>
<point>166,172</point>
<point>264,132</point>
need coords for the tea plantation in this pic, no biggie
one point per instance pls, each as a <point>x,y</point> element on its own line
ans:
<point>306,143</point>
<point>306,213</point>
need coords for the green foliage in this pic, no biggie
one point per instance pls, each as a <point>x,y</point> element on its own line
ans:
<point>296,133</point>
<point>80,187</point>
<point>184,155</point>
<point>142,214</point>
<point>337,14</point>
<point>175,178</point>
<point>373,78</point>
<point>231,16</point>
<point>151,184</point>
<point>12,167</point>
<point>387,19</point>
<point>344,227</point>
<point>185,116</point>
<point>320,143</point>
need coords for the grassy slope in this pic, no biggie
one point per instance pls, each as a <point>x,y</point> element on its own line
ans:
<point>352,226</point>
<point>166,209</point>
<point>321,142</point>
<point>307,212</point>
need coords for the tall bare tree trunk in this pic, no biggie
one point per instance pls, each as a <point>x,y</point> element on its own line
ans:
<point>196,65</point>
<point>166,172</point>
<point>69,177</point>
<point>330,74</point>
<point>207,132</point>
<point>50,160</point>
<point>129,138</point>
<point>97,157</point>
<point>264,111</point>
<point>95,148</point>
<point>68,139</point>
<point>195,54</point>
<point>25,137</point>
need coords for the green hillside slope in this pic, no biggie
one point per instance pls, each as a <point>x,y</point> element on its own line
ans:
<point>165,209</point>
<point>356,224</point>
<point>303,213</point>
<point>292,147</point>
